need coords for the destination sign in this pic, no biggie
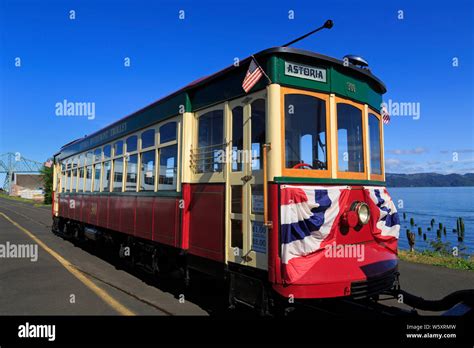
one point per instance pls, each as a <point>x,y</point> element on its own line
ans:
<point>305,72</point>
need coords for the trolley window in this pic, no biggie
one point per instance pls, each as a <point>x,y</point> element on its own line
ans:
<point>89,157</point>
<point>82,160</point>
<point>237,138</point>
<point>74,181</point>
<point>132,172</point>
<point>98,155</point>
<point>349,135</point>
<point>148,138</point>
<point>63,181</point>
<point>106,176</point>
<point>68,181</point>
<point>80,184</point>
<point>132,143</point>
<point>374,141</point>
<point>97,170</point>
<point>167,132</point>
<point>118,148</point>
<point>305,131</point>
<point>147,171</point>
<point>168,168</point>
<point>107,151</point>
<point>118,175</point>
<point>210,142</point>
<point>258,132</point>
<point>88,179</point>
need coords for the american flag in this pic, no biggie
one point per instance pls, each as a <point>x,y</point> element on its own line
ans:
<point>48,163</point>
<point>254,74</point>
<point>385,115</point>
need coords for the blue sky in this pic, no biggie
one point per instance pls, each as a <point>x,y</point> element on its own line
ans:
<point>83,60</point>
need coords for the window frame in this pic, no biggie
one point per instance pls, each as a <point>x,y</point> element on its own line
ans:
<point>363,111</point>
<point>113,158</point>
<point>107,145</point>
<point>158,133</point>
<point>372,176</point>
<point>95,162</point>
<point>62,182</point>
<point>160,146</point>
<point>256,97</point>
<point>329,141</point>
<point>86,189</point>
<point>126,157</point>
<point>140,141</point>
<point>80,169</point>
<point>230,127</point>
<point>126,160</point>
<point>69,174</point>
<point>208,177</point>
<point>80,160</point>
<point>94,168</point>
<point>139,181</point>
<point>106,189</point>
<point>75,167</point>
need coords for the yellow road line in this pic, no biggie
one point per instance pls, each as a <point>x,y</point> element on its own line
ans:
<point>117,306</point>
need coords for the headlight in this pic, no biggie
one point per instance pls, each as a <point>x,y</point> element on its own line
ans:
<point>363,212</point>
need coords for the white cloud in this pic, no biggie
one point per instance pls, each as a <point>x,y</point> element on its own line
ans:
<point>394,165</point>
<point>415,151</point>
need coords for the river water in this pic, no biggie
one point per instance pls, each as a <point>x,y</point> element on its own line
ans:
<point>445,205</point>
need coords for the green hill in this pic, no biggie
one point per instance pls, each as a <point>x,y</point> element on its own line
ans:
<point>429,180</point>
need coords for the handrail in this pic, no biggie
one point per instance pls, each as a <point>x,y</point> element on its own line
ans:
<point>266,222</point>
<point>204,157</point>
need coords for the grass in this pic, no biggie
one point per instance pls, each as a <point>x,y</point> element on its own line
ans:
<point>437,258</point>
<point>24,200</point>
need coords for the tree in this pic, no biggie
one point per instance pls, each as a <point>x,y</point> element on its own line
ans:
<point>47,176</point>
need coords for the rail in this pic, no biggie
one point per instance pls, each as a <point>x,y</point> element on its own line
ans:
<point>205,159</point>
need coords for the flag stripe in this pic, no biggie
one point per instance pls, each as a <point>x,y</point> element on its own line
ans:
<point>252,80</point>
<point>385,115</point>
<point>253,75</point>
<point>307,217</point>
<point>293,195</point>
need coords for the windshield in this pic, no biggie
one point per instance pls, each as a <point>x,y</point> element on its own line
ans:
<point>305,132</point>
<point>374,141</point>
<point>349,136</point>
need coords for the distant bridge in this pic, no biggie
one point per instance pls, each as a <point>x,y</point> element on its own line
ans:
<point>12,163</point>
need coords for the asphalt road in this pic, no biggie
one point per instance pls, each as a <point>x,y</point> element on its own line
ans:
<point>71,280</point>
<point>47,287</point>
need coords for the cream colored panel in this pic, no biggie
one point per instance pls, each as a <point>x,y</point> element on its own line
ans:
<point>186,145</point>
<point>333,133</point>
<point>273,130</point>
<point>365,121</point>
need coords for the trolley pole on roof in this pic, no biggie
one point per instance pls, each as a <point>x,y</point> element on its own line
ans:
<point>327,25</point>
